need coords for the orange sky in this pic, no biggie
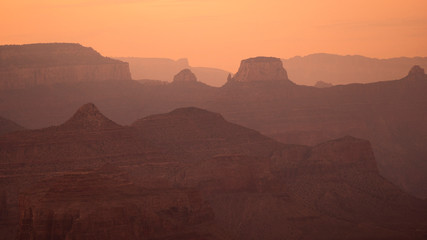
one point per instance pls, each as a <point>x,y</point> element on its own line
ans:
<point>219,33</point>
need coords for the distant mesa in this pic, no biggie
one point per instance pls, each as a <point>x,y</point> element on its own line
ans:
<point>322,84</point>
<point>261,69</point>
<point>23,66</point>
<point>88,117</point>
<point>185,76</point>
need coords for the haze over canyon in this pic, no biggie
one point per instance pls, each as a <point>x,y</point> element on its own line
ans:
<point>316,147</point>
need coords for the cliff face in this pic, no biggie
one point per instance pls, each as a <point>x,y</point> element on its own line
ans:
<point>34,64</point>
<point>261,69</point>
<point>105,204</point>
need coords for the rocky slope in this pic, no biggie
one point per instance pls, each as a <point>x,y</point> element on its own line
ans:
<point>338,69</point>
<point>190,174</point>
<point>24,66</point>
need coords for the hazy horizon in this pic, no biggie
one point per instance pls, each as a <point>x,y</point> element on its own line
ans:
<point>221,33</point>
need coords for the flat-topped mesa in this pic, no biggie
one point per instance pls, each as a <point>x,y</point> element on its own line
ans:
<point>23,66</point>
<point>185,76</point>
<point>88,117</point>
<point>261,69</point>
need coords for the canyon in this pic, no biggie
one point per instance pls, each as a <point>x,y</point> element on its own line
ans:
<point>191,174</point>
<point>390,114</point>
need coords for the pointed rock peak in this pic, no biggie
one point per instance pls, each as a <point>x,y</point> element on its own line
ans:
<point>186,75</point>
<point>261,69</point>
<point>88,117</point>
<point>416,71</point>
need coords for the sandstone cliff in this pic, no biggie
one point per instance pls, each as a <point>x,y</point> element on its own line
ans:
<point>23,66</point>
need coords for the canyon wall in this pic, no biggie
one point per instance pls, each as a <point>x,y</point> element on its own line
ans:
<point>23,66</point>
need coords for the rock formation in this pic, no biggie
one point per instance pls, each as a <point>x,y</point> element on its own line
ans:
<point>261,69</point>
<point>390,114</point>
<point>190,174</point>
<point>88,117</point>
<point>23,66</point>
<point>416,72</point>
<point>185,76</point>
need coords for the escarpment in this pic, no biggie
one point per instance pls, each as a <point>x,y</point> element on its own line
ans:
<point>23,66</point>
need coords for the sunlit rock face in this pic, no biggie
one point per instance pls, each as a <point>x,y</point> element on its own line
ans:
<point>23,66</point>
<point>261,69</point>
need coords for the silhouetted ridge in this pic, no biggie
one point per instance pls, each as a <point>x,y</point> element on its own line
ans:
<point>89,117</point>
